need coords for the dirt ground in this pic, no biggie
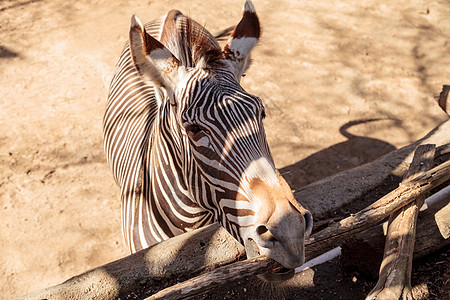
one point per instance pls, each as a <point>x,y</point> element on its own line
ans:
<point>321,67</point>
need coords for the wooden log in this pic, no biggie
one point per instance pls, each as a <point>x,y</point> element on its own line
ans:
<point>379,210</point>
<point>221,276</point>
<point>395,271</point>
<point>364,251</point>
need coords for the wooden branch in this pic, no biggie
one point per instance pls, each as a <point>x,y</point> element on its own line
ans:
<point>379,210</point>
<point>395,272</point>
<point>218,277</point>
<point>443,99</point>
<point>364,251</point>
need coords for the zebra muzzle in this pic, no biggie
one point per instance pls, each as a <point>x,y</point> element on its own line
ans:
<point>277,274</point>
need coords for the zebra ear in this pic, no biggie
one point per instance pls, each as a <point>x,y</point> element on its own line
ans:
<point>242,40</point>
<point>152,59</point>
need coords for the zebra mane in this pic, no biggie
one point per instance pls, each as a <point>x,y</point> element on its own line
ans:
<point>189,41</point>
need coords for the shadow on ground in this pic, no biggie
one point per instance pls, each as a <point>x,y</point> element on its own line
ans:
<point>356,151</point>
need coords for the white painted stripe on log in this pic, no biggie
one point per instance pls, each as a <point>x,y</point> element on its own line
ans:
<point>323,258</point>
<point>442,194</point>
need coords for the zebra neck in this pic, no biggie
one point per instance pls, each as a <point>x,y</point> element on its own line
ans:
<point>169,200</point>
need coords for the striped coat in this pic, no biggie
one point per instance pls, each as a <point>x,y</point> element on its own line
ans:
<point>186,143</point>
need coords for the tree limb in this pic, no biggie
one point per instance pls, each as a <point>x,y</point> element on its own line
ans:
<point>218,277</point>
<point>380,209</point>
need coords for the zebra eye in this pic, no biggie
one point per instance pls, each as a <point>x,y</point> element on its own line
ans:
<point>194,129</point>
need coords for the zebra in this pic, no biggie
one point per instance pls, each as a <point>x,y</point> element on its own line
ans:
<point>186,143</point>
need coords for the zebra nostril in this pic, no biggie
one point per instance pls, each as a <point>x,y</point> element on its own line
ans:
<point>264,234</point>
<point>261,229</point>
<point>308,223</point>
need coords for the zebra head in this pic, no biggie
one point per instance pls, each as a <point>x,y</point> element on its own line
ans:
<point>216,133</point>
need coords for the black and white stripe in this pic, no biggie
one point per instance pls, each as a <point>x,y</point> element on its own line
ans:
<point>182,167</point>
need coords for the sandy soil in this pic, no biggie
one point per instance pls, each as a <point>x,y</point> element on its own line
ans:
<point>320,66</point>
